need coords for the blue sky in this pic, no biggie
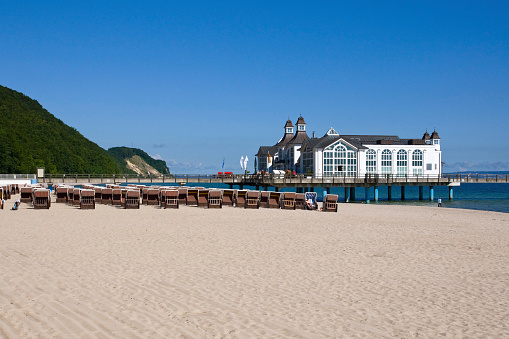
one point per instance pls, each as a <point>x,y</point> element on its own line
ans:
<point>195,82</point>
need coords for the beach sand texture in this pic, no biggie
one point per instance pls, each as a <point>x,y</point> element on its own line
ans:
<point>368,271</point>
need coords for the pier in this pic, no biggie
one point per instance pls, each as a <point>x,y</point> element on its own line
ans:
<point>300,182</point>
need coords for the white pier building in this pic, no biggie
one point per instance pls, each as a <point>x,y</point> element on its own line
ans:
<point>345,155</point>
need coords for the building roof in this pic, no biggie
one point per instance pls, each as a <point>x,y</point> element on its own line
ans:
<point>264,151</point>
<point>288,124</point>
<point>300,121</point>
<point>425,136</point>
<point>360,141</point>
<point>434,135</point>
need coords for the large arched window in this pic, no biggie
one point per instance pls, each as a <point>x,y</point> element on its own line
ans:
<point>386,161</point>
<point>339,160</point>
<point>417,162</point>
<point>371,162</point>
<point>402,163</point>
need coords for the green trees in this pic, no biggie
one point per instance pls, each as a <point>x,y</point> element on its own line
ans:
<point>32,137</point>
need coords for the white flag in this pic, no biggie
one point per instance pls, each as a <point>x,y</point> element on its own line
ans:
<point>245,162</point>
<point>242,162</point>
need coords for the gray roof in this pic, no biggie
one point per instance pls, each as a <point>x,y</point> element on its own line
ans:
<point>265,150</point>
<point>299,138</point>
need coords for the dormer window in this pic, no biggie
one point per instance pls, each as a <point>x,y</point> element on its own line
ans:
<point>301,127</point>
<point>435,142</point>
<point>289,130</point>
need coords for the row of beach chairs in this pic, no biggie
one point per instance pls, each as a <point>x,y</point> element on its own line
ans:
<point>7,190</point>
<point>131,196</point>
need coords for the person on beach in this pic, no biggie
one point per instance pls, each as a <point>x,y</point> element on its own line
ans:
<point>15,207</point>
<point>3,202</point>
<point>309,204</point>
<point>439,202</point>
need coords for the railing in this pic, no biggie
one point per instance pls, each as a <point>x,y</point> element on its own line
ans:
<point>17,176</point>
<point>266,178</point>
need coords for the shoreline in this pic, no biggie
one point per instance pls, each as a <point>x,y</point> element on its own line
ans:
<point>366,271</point>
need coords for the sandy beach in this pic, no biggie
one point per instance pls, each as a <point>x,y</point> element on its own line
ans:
<point>368,271</point>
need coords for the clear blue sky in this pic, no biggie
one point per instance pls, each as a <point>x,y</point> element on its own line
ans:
<point>193,82</point>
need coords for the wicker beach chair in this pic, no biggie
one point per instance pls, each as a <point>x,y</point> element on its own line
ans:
<point>192,197</point>
<point>300,201</point>
<point>76,197</point>
<point>203,198</point>
<point>330,203</point>
<point>152,196</point>
<point>215,199</point>
<point>264,199</point>
<point>106,196</point>
<point>98,195</point>
<point>170,199</point>
<point>313,197</point>
<point>87,199</point>
<point>252,199</point>
<point>182,192</point>
<point>42,198</point>
<point>26,194</point>
<point>288,201</point>
<point>70,195</point>
<point>275,200</point>
<point>240,200</point>
<point>116,197</point>
<point>228,197</point>
<point>132,199</point>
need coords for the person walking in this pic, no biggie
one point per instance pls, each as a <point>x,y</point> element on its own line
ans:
<point>439,202</point>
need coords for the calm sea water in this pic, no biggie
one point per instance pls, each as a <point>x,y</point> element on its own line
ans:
<point>489,197</point>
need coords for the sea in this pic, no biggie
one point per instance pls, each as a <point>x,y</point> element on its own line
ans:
<point>487,197</point>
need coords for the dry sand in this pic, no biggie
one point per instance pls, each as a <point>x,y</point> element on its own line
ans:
<point>367,271</point>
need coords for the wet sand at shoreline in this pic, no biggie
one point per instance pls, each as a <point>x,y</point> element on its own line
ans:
<point>370,271</point>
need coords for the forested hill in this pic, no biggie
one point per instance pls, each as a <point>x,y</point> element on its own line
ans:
<point>138,160</point>
<point>32,137</point>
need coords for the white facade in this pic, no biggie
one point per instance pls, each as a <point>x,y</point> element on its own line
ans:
<point>360,155</point>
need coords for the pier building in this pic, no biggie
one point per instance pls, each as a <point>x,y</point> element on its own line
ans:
<point>345,155</point>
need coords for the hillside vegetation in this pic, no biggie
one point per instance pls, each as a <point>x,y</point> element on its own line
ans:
<point>32,137</point>
<point>135,160</point>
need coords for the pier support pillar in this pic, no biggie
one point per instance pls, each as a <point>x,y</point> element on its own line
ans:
<point>265,188</point>
<point>300,190</point>
<point>324,193</point>
<point>450,193</point>
<point>376,193</point>
<point>366,194</point>
<point>431,193</point>
<point>276,189</point>
<point>389,193</point>
<point>257,187</point>
<point>229,185</point>
<point>402,192</point>
<point>421,192</point>
<point>241,187</point>
<point>347,194</point>
<point>352,193</point>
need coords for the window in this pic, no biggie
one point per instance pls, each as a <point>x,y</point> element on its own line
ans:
<point>402,163</point>
<point>417,162</point>
<point>371,162</point>
<point>339,160</point>
<point>386,161</point>
<point>435,142</point>
<point>307,158</point>
<point>289,130</point>
<point>301,127</point>
<point>429,167</point>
